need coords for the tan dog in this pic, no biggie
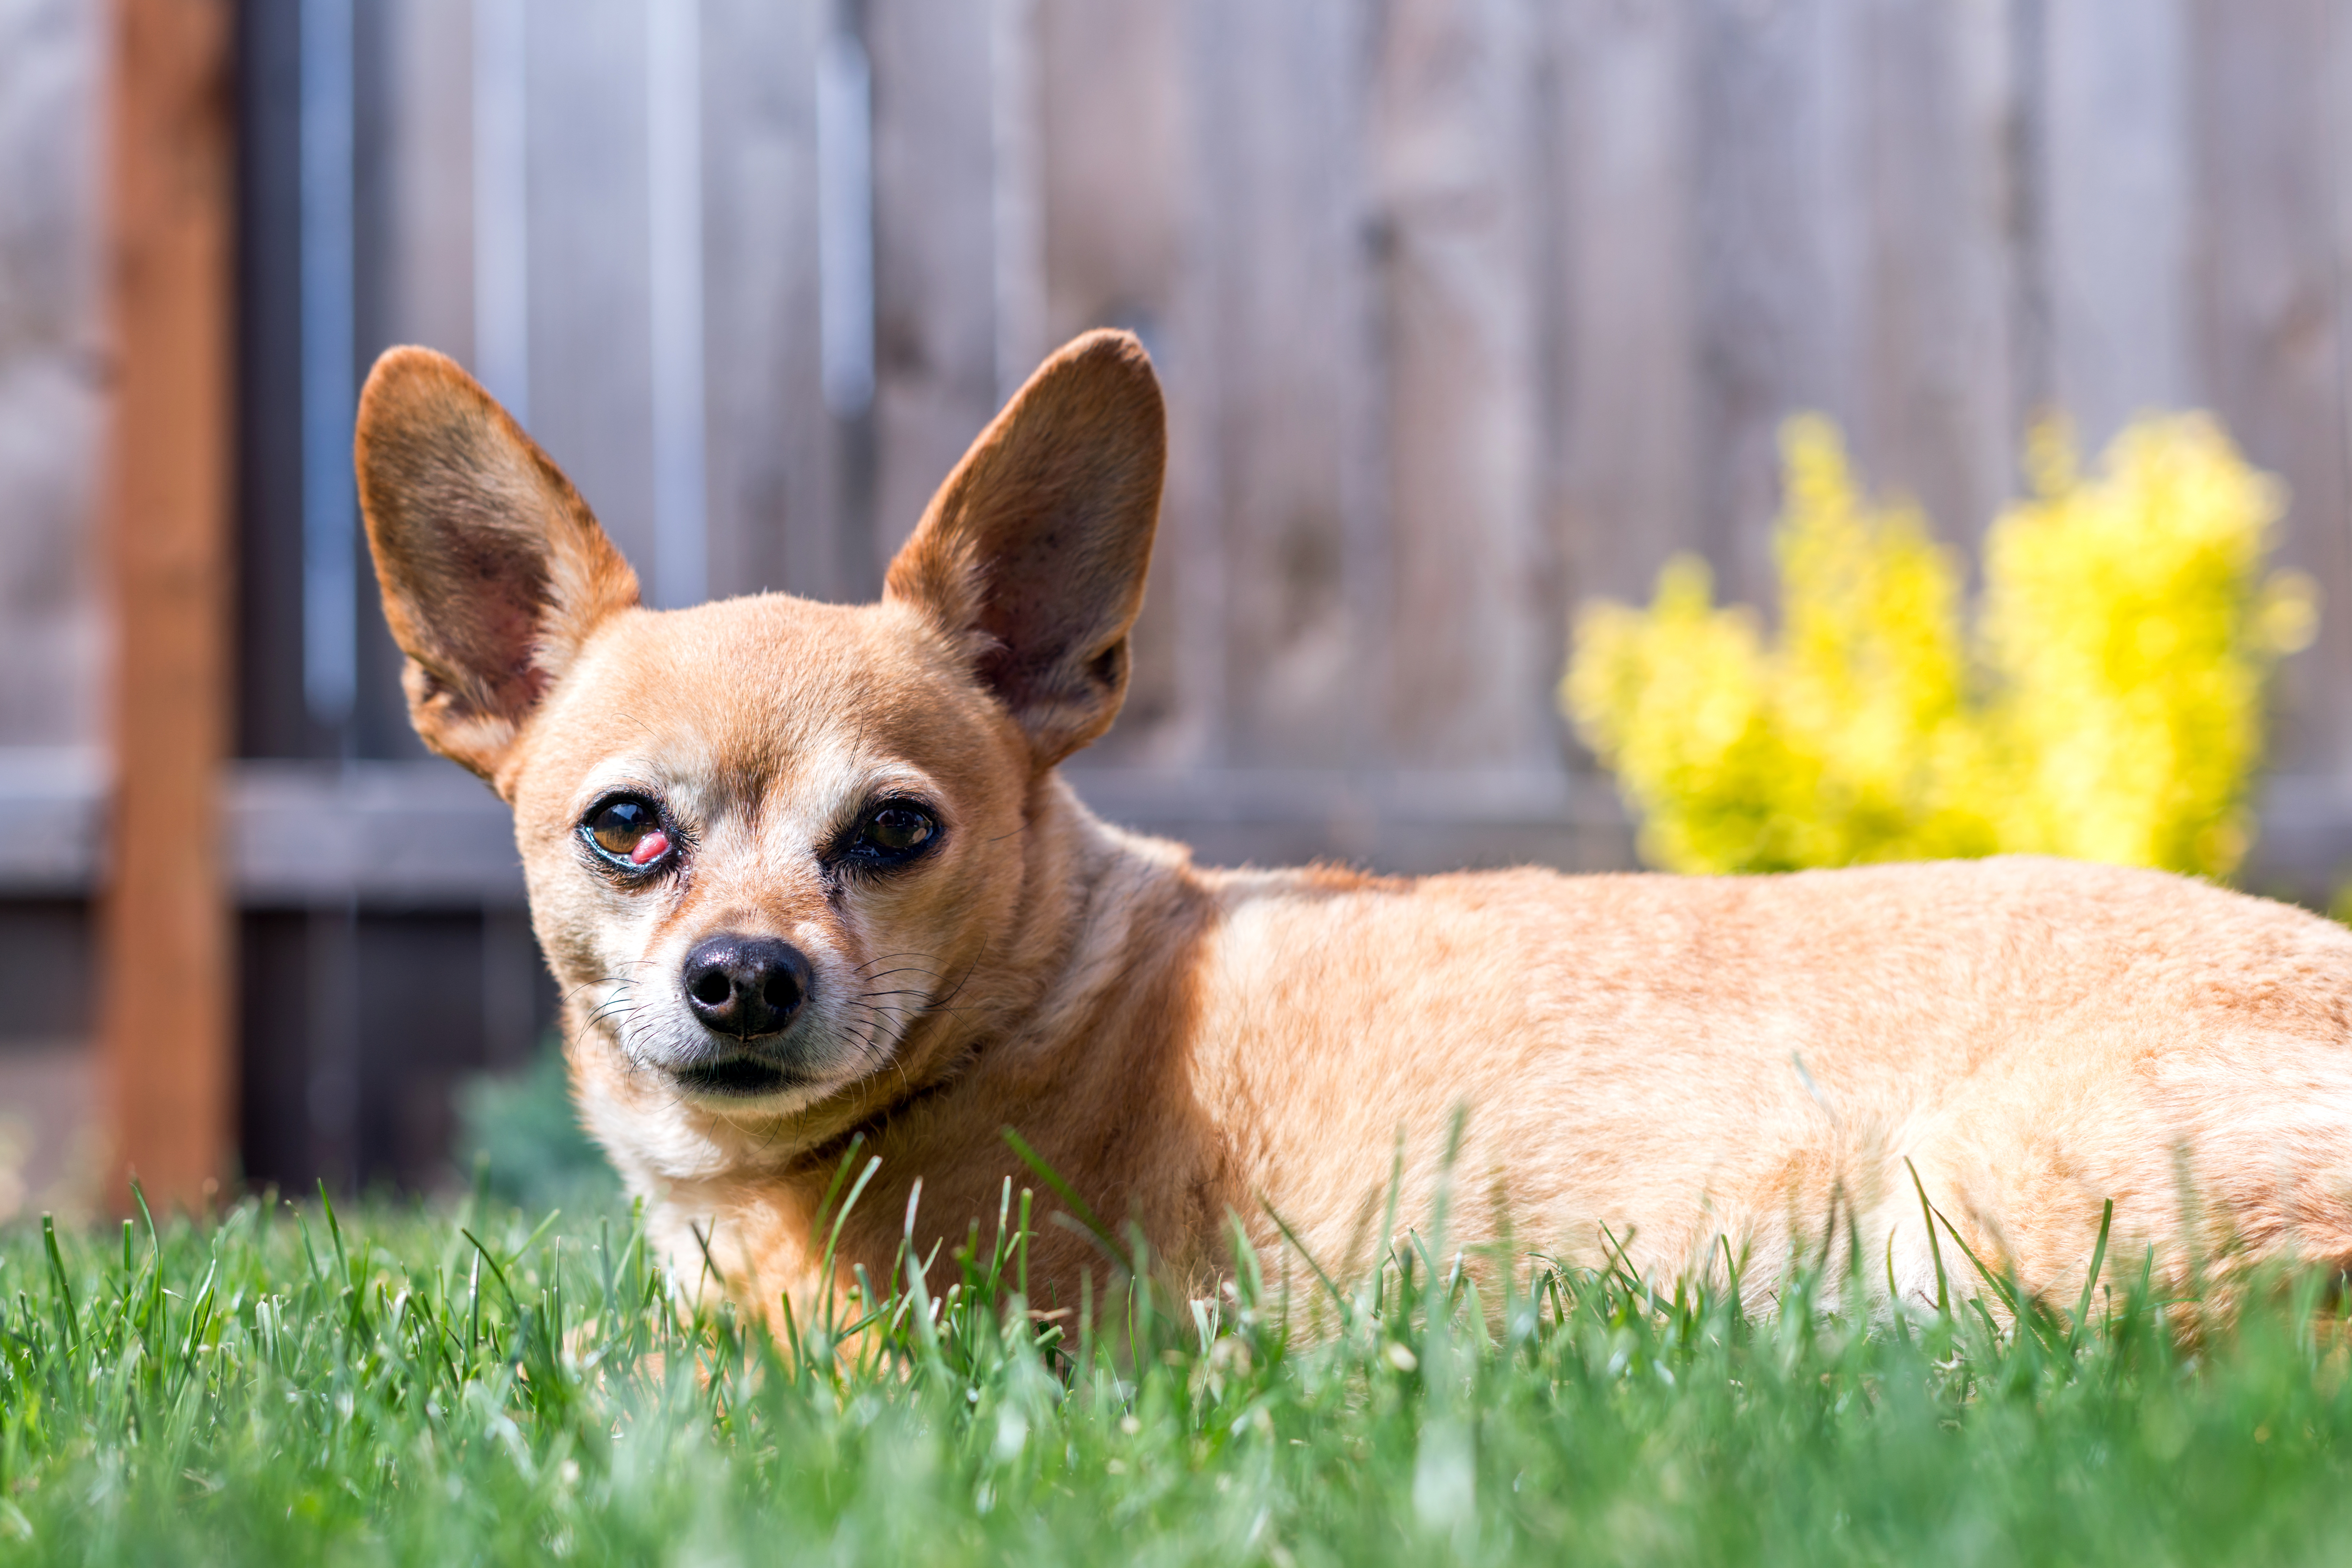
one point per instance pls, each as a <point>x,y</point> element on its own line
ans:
<point>807,871</point>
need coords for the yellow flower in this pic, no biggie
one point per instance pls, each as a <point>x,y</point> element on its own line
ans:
<point>2109,706</point>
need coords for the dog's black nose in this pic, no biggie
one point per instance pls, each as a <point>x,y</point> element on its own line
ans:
<point>746,985</point>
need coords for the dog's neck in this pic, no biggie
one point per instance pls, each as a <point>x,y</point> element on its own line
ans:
<point>1060,997</point>
<point>1086,886</point>
<point>1091,885</point>
<point>1038,987</point>
<point>1084,997</point>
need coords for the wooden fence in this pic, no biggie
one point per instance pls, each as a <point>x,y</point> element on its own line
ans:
<point>1467,310</point>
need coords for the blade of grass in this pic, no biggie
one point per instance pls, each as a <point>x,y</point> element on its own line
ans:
<point>1935,1251</point>
<point>2098,1257</point>
<point>833,1240</point>
<point>1331,1286</point>
<point>710,1270</point>
<point>72,1317</point>
<point>1068,1195</point>
<point>497,1272</point>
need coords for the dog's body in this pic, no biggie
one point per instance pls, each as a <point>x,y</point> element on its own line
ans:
<point>808,876</point>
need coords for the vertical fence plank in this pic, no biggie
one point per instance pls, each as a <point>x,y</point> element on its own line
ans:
<point>2266,307</point>
<point>164,1028</point>
<point>775,490</point>
<point>1017,191</point>
<point>935,244</point>
<point>413,254</point>
<point>1777,255</point>
<point>2118,184</point>
<point>590,338</point>
<point>1467,634</point>
<point>429,251</point>
<point>52,410</point>
<point>1619,132</point>
<point>1114,176</point>
<point>2330,535</point>
<point>1110,101</point>
<point>1278,314</point>
<point>1932,417</point>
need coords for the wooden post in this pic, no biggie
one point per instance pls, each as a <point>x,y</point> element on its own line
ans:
<point>164,1033</point>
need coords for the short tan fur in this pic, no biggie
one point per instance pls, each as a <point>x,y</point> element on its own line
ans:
<point>1693,1064</point>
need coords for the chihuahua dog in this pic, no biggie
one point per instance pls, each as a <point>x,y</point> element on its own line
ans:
<point>811,884</point>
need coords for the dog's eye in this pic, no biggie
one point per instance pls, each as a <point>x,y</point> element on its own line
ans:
<point>896,832</point>
<point>628,830</point>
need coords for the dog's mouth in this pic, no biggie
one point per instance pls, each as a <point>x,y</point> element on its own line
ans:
<point>735,1077</point>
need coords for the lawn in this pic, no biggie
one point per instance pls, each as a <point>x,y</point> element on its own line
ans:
<point>463,1382</point>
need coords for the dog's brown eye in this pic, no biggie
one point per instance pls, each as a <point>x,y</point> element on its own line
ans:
<point>628,830</point>
<point>899,829</point>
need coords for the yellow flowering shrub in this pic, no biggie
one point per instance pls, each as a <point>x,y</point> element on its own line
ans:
<point>2107,707</point>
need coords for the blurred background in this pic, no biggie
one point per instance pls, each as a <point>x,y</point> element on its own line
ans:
<point>1468,311</point>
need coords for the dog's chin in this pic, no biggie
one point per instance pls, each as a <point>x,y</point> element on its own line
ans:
<point>773,1076</point>
<point>737,1078</point>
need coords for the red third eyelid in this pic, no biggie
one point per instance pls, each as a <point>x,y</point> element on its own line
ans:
<point>649,849</point>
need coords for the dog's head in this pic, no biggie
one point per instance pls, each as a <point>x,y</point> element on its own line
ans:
<point>768,841</point>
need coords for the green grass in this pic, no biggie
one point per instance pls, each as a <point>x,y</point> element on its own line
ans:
<point>288,1385</point>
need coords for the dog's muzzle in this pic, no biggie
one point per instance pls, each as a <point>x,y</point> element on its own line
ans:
<point>745,990</point>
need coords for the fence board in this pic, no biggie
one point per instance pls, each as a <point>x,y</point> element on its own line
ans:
<point>935,288</point>
<point>413,258</point>
<point>1934,415</point>
<point>52,58</point>
<point>777,514</point>
<point>2119,188</point>
<point>1112,141</point>
<point>1775,255</point>
<point>1474,581</point>
<point>591,323</point>
<point>430,148</point>
<point>164,1022</point>
<point>1625,361</point>
<point>2267,291</point>
<point>1276,327</point>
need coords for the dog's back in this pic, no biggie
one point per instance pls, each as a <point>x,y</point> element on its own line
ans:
<point>1684,1058</point>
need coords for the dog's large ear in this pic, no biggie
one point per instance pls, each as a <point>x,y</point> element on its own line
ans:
<point>493,570</point>
<point>1033,552</point>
